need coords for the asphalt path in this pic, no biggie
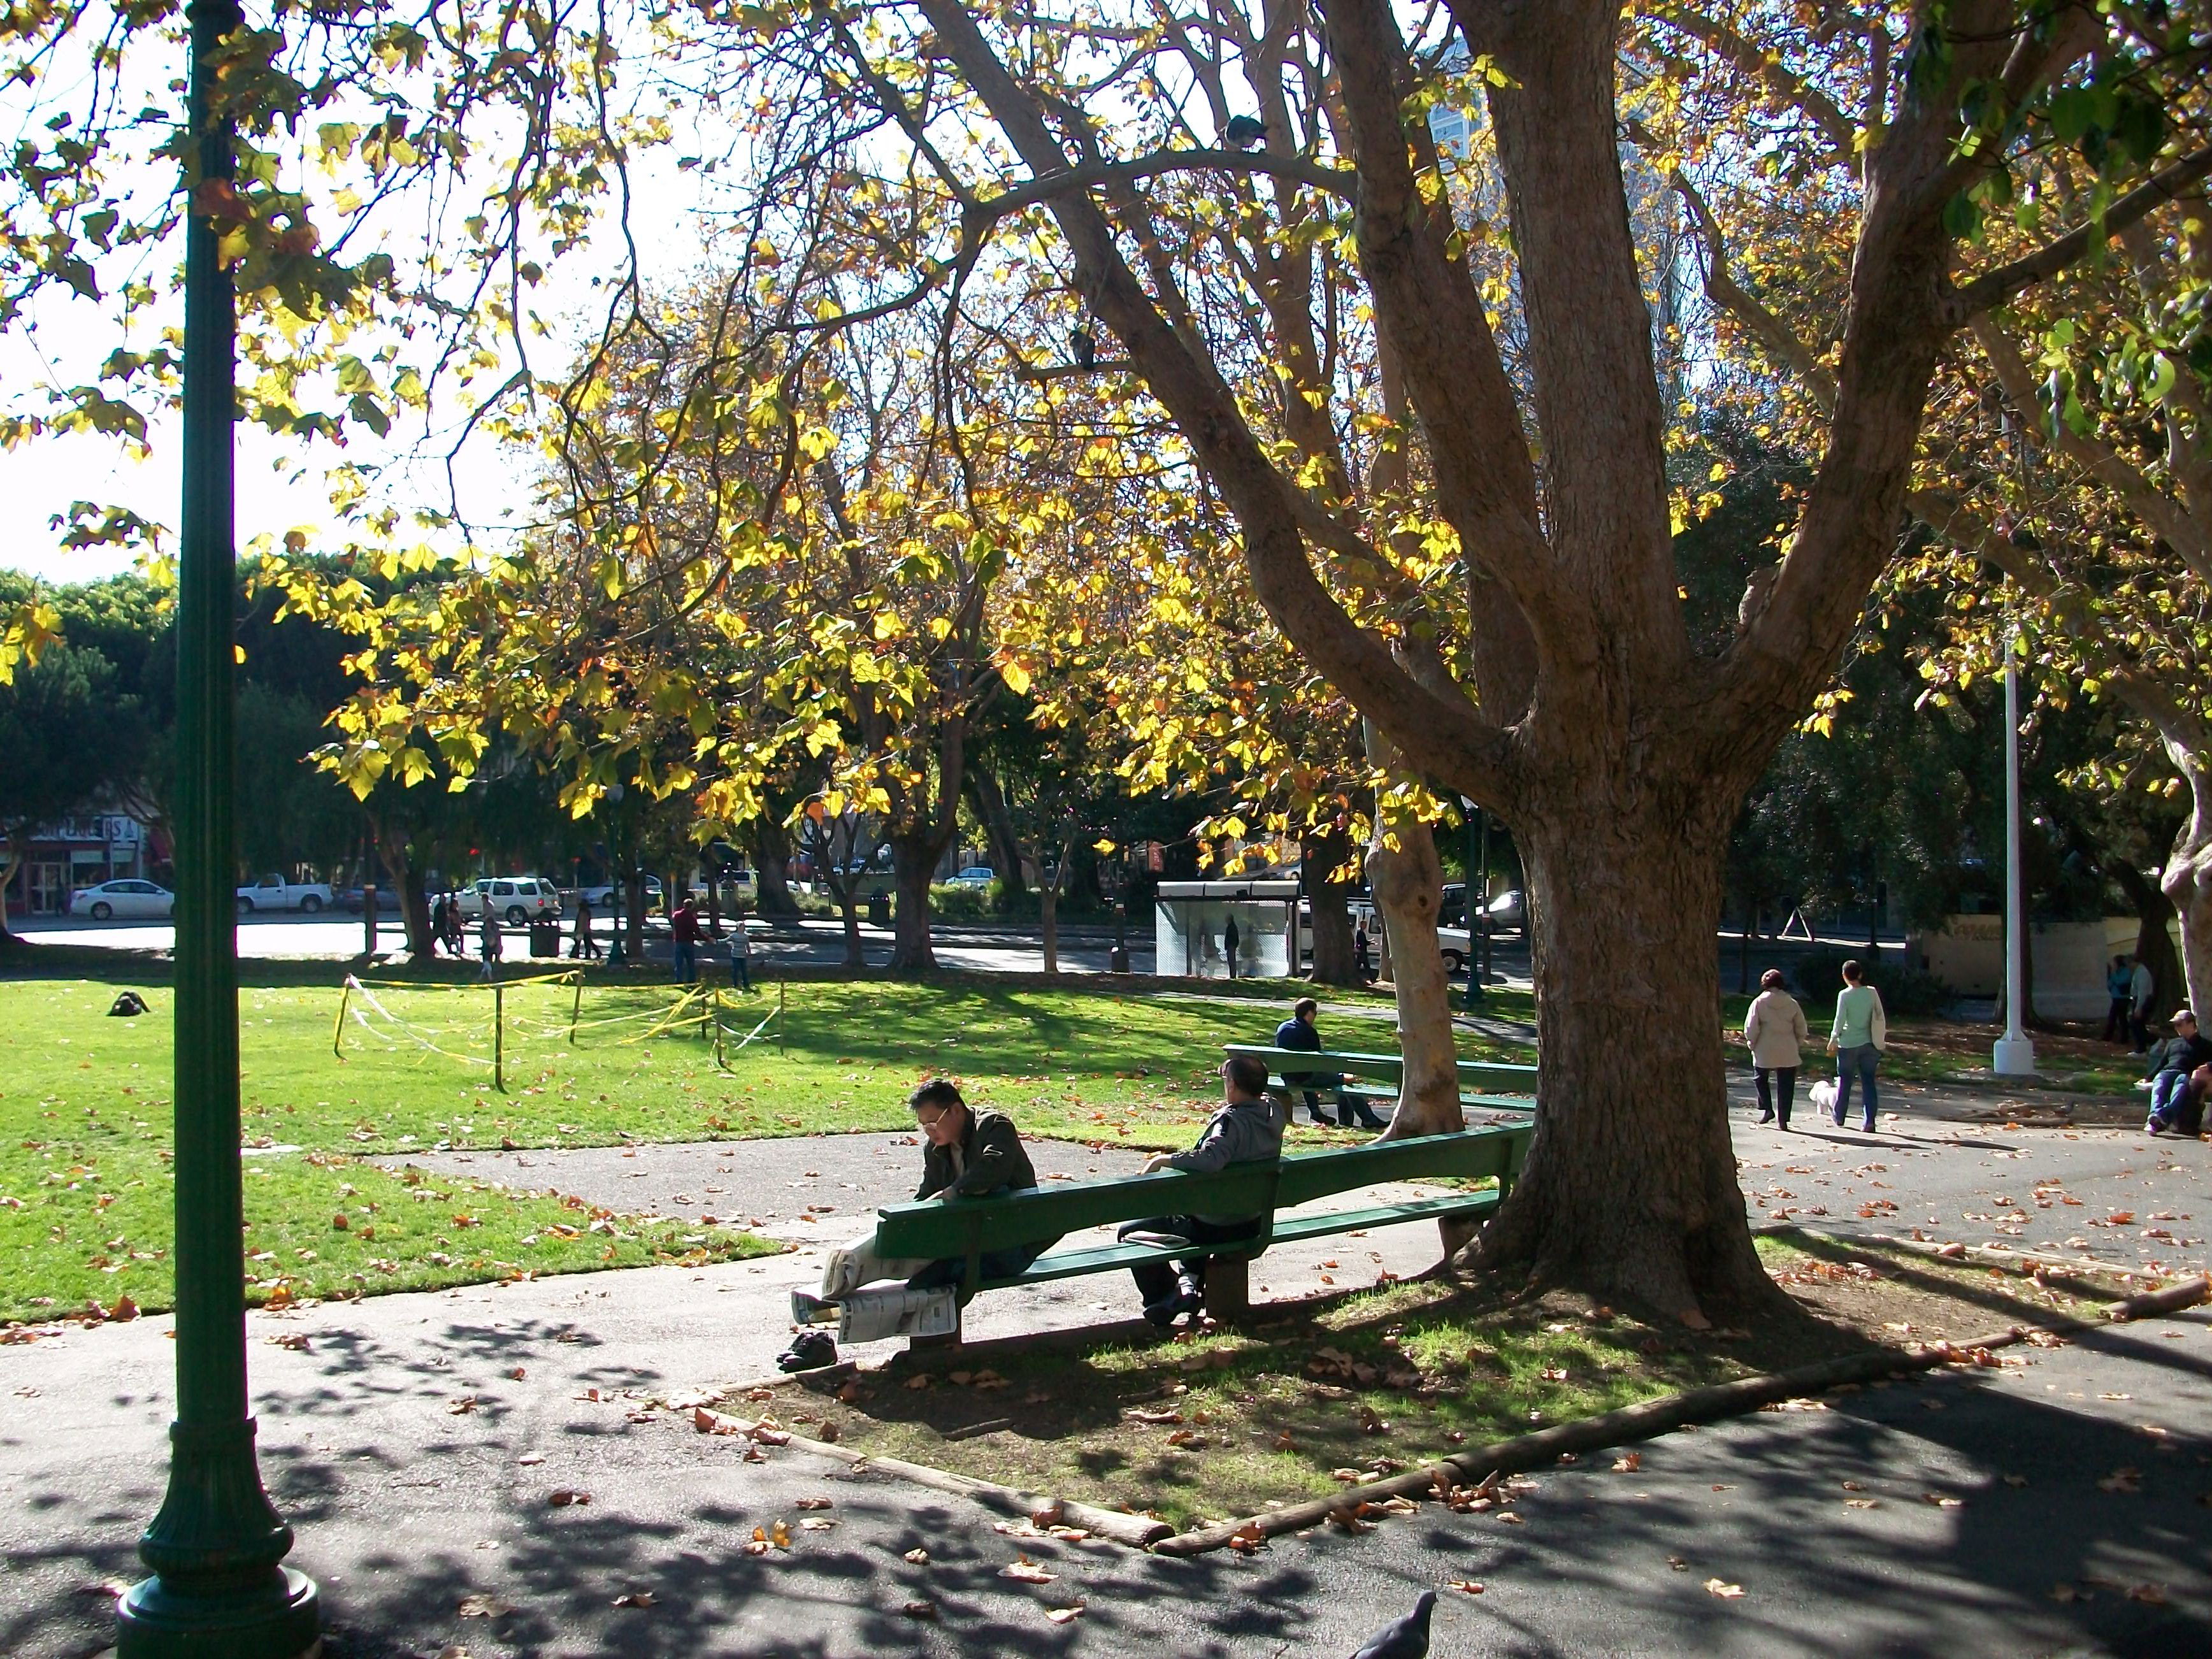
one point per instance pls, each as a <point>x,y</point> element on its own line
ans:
<point>2055,1506</point>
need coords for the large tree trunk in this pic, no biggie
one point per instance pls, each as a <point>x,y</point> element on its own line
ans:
<point>990,804</point>
<point>634,917</point>
<point>1321,860</point>
<point>1408,883</point>
<point>772,859</point>
<point>913,860</point>
<point>414,902</point>
<point>2187,882</point>
<point>1631,1187</point>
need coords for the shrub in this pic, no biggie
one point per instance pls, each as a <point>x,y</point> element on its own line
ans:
<point>1817,974</point>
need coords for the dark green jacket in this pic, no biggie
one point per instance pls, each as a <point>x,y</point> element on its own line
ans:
<point>992,1159</point>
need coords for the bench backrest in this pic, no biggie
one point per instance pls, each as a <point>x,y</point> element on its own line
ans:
<point>968,1227</point>
<point>1389,1068</point>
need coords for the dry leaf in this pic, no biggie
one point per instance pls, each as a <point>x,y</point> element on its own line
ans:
<point>635,1599</point>
<point>462,1407</point>
<point>2153,1594</point>
<point>920,1380</point>
<point>516,1375</point>
<point>1465,1586</point>
<point>1065,1615</point>
<point>816,1523</point>
<point>2121,1480</point>
<point>812,1503</point>
<point>919,1609</point>
<point>917,1557</point>
<point>1284,1443</point>
<point>563,1497</point>
<point>1726,1592</point>
<point>1628,1464</point>
<point>1678,1564</point>
<point>2068,1593</point>
<point>1248,1538</point>
<point>1028,1571</point>
<point>1942,1502</point>
<point>485,1606</point>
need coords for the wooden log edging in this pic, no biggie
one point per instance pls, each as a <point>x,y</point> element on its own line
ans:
<point>1136,1532</point>
<point>1653,1418</point>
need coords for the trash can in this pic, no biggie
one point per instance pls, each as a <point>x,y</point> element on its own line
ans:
<point>545,939</point>
<point>879,909</point>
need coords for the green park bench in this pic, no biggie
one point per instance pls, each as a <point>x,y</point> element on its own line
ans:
<point>966,1230</point>
<point>1388,1073</point>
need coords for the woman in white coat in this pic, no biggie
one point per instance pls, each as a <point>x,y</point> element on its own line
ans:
<point>1776,1032</point>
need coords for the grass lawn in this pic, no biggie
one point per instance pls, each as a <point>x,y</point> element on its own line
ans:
<point>1346,1388</point>
<point>85,1186</point>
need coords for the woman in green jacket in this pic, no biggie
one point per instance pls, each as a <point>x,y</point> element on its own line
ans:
<point>1860,1033</point>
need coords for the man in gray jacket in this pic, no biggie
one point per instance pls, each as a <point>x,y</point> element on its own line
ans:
<point>1246,1129</point>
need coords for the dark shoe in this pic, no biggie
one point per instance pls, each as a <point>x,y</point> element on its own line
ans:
<point>1322,1120</point>
<point>2152,1125</point>
<point>1786,1125</point>
<point>1767,1117</point>
<point>1173,1306</point>
<point>808,1351</point>
<point>1836,1118</point>
<point>1867,1128</point>
<point>1367,1118</point>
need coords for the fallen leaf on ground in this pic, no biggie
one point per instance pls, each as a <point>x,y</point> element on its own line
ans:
<point>816,1523</point>
<point>921,1381</point>
<point>812,1503</point>
<point>2069,1593</point>
<point>1678,1564</point>
<point>917,1557</point>
<point>919,1609</point>
<point>1862,1502</point>
<point>635,1599</point>
<point>1465,1586</point>
<point>1628,1464</point>
<point>563,1497</point>
<point>2121,1480</point>
<point>2153,1594</point>
<point>1028,1571</point>
<point>1065,1615</point>
<point>1941,1501</point>
<point>462,1407</point>
<point>1725,1591</point>
<point>485,1606</point>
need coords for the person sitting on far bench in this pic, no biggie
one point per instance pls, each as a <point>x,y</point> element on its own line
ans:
<point>1244,1130</point>
<point>1298,1032</point>
<point>966,1153</point>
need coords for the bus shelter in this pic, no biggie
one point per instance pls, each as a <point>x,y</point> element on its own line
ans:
<point>1228,929</point>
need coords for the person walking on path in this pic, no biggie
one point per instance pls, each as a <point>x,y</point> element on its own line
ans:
<point>1859,1034</point>
<point>1244,1130</point>
<point>457,935</point>
<point>684,934</point>
<point>1229,938</point>
<point>2119,986</point>
<point>2173,1064</point>
<point>585,948</point>
<point>741,953</point>
<point>1776,1032</point>
<point>489,945</point>
<point>2142,985</point>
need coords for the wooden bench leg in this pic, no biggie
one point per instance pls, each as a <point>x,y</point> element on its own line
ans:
<point>1457,1232</point>
<point>1227,1287</point>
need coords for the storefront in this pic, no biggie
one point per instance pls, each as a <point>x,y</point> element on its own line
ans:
<point>79,851</point>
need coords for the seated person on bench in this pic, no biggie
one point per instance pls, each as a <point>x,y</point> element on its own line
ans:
<point>1298,1032</point>
<point>1244,1130</point>
<point>965,1154</point>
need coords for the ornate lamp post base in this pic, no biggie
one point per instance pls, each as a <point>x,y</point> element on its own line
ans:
<point>273,1615</point>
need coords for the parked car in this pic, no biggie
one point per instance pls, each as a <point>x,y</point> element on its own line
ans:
<point>1508,911</point>
<point>975,875</point>
<point>515,900</point>
<point>353,900</point>
<point>601,896</point>
<point>274,893</point>
<point>125,898</point>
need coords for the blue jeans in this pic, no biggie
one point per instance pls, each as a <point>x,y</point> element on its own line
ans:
<point>2169,1099</point>
<point>1855,1061</point>
<point>741,975</point>
<point>687,968</point>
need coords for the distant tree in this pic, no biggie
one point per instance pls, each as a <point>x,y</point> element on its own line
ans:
<point>69,739</point>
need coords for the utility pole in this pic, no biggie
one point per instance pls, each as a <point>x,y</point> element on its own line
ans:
<point>217,1546</point>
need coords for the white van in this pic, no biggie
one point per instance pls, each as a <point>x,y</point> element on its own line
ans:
<point>515,900</point>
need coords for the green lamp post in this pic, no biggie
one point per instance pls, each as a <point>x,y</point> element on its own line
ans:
<point>219,1588</point>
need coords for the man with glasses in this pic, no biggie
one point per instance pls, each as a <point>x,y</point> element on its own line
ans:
<point>966,1153</point>
<point>1245,1129</point>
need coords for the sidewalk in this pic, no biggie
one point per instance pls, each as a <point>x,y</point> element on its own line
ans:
<point>407,1500</point>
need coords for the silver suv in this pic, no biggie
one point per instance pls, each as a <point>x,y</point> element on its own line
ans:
<point>516,900</point>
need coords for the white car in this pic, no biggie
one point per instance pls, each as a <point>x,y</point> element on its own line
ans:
<point>128,897</point>
<point>975,875</point>
<point>603,895</point>
<point>515,900</point>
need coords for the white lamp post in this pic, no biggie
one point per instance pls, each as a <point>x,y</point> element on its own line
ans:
<point>2013,1055</point>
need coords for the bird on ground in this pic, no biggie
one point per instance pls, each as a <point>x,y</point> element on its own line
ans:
<point>1086,348</point>
<point>1403,1638</point>
<point>1244,131</point>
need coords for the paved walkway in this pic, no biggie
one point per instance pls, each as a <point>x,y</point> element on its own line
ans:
<point>416,1441</point>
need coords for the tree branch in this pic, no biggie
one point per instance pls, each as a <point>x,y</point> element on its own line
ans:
<point>1994,288</point>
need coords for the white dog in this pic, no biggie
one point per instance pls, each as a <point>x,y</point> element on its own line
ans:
<point>1824,1096</point>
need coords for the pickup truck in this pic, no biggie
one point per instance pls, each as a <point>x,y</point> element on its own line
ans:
<point>274,893</point>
